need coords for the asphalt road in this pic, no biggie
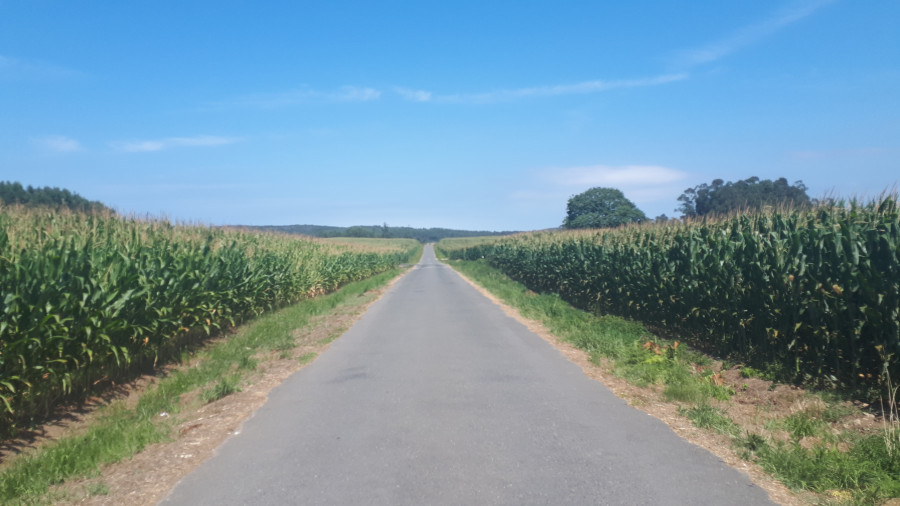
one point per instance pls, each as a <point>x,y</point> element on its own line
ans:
<point>437,397</point>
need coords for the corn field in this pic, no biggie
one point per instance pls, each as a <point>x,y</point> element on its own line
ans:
<point>88,297</point>
<point>815,292</point>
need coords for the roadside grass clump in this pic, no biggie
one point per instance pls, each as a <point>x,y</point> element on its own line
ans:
<point>248,363</point>
<point>866,471</point>
<point>706,416</point>
<point>891,419</point>
<point>307,357</point>
<point>696,390</point>
<point>804,424</point>
<point>750,372</point>
<point>216,371</point>
<point>224,387</point>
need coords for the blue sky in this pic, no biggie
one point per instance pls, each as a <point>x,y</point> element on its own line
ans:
<point>476,115</point>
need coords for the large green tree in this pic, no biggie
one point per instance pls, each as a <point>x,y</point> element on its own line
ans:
<point>601,208</point>
<point>747,195</point>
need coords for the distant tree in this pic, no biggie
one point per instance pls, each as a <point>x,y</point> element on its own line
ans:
<point>750,194</point>
<point>15,194</point>
<point>360,231</point>
<point>662,218</point>
<point>385,231</point>
<point>601,208</point>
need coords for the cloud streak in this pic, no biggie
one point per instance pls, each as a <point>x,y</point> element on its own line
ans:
<point>751,34</point>
<point>303,96</point>
<point>648,186</point>
<point>685,60</point>
<point>608,175</point>
<point>59,144</point>
<point>414,95</point>
<point>515,94</point>
<point>140,146</point>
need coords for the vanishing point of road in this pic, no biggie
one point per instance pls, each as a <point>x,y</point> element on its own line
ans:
<point>435,396</point>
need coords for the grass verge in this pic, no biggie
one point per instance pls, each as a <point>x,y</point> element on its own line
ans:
<point>815,444</point>
<point>119,432</point>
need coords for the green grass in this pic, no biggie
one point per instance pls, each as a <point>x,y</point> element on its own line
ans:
<point>305,359</point>
<point>224,387</point>
<point>119,432</point>
<point>803,424</point>
<point>706,416</point>
<point>866,471</point>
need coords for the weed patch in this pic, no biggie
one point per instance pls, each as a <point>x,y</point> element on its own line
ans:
<point>225,386</point>
<point>709,417</point>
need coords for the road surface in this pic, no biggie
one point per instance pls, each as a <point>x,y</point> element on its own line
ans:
<point>435,397</point>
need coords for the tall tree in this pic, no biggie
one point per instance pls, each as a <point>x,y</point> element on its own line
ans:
<point>750,194</point>
<point>601,208</point>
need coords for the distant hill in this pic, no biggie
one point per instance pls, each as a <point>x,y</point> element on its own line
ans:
<point>55,198</point>
<point>420,234</point>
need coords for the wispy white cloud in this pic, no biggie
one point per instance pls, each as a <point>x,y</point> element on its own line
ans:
<point>366,94</point>
<point>413,95</point>
<point>751,34</point>
<point>17,69</point>
<point>58,143</point>
<point>651,187</point>
<point>173,142</point>
<point>618,176</point>
<point>686,60</point>
<point>510,95</point>
<point>303,96</point>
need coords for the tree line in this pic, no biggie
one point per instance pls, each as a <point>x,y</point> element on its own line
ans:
<point>608,207</point>
<point>424,235</point>
<point>13,193</point>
